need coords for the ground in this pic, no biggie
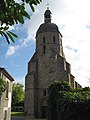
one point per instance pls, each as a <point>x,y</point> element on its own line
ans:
<point>23,118</point>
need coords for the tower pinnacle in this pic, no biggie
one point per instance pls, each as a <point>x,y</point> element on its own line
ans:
<point>47,16</point>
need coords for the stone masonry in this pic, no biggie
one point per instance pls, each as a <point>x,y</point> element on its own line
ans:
<point>46,65</point>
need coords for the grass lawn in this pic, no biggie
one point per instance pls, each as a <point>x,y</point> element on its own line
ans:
<point>17,113</point>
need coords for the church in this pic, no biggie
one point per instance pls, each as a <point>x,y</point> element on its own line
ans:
<point>46,65</point>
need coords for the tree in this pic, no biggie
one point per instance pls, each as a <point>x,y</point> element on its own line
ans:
<point>3,86</point>
<point>17,94</point>
<point>12,13</point>
<point>67,103</point>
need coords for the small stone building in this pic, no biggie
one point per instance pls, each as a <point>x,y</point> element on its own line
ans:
<point>5,98</point>
<point>46,65</point>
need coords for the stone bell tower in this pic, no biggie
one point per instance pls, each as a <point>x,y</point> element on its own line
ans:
<point>46,65</point>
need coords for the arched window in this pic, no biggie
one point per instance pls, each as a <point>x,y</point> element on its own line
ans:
<point>53,39</point>
<point>44,92</point>
<point>44,49</point>
<point>43,39</point>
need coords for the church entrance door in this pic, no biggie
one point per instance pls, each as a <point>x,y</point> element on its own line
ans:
<point>44,111</point>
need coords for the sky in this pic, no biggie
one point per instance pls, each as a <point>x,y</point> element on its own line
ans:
<point>73,20</point>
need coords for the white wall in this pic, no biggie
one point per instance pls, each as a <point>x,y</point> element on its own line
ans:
<point>6,102</point>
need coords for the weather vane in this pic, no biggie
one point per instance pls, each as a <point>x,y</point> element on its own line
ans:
<point>48,5</point>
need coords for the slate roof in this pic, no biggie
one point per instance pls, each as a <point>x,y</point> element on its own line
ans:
<point>47,27</point>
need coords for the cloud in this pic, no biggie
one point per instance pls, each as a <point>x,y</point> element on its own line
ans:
<point>12,50</point>
<point>20,80</point>
<point>70,48</point>
<point>27,42</point>
<point>74,16</point>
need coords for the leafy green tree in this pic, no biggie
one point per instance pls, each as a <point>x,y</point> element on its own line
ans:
<point>12,13</point>
<point>17,94</point>
<point>3,85</point>
<point>66,103</point>
<point>56,90</point>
